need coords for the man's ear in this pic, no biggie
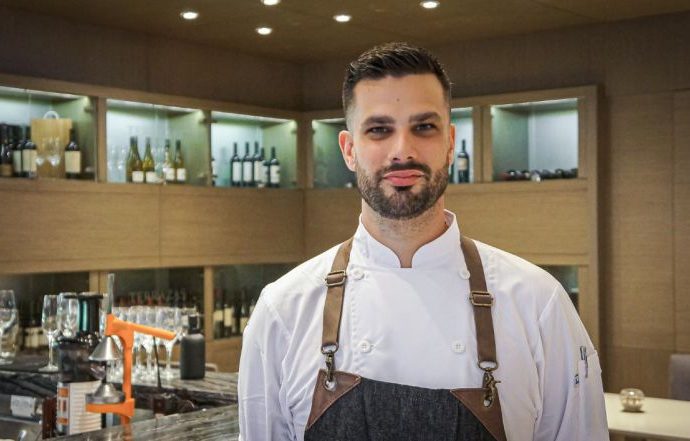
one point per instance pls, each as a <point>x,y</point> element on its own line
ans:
<point>346,142</point>
<point>451,150</point>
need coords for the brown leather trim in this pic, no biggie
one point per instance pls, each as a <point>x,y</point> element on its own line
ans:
<point>333,308</point>
<point>490,417</point>
<point>486,345</point>
<point>323,398</point>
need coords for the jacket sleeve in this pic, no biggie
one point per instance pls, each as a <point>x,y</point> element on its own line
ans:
<point>570,377</point>
<point>263,413</point>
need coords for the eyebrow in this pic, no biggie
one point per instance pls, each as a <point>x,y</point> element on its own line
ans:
<point>383,119</point>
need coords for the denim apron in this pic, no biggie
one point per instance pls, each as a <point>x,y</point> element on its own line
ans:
<point>348,407</point>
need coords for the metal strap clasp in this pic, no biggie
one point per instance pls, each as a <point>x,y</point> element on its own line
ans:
<point>330,382</point>
<point>482,298</point>
<point>336,278</point>
<point>489,386</point>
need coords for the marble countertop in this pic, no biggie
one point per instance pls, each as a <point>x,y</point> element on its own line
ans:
<point>220,423</point>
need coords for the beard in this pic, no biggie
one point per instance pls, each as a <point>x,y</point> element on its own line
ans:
<point>403,203</point>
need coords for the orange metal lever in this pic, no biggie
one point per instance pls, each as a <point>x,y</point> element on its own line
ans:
<point>125,331</point>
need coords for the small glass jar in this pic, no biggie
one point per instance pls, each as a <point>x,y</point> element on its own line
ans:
<point>632,399</point>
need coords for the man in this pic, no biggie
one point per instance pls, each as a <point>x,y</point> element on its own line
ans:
<point>411,331</point>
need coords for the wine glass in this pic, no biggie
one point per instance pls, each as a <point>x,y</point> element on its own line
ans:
<point>8,316</point>
<point>50,327</point>
<point>169,319</point>
<point>54,153</point>
<point>68,313</point>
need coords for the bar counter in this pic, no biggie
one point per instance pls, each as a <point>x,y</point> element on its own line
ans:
<point>220,423</point>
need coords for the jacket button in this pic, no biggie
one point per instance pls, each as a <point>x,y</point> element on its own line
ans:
<point>356,274</point>
<point>464,273</point>
<point>364,346</point>
<point>458,347</point>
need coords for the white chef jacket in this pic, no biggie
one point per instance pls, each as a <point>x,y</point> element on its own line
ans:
<point>415,326</point>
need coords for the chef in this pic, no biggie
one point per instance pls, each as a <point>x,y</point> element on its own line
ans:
<point>410,330</point>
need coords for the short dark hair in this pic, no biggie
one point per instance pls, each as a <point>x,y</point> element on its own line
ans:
<point>392,59</point>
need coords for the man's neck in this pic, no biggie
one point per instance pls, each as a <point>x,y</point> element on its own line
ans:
<point>405,237</point>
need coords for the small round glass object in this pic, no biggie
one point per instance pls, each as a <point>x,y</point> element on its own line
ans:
<point>632,399</point>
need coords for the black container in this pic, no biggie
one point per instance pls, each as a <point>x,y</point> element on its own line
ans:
<point>193,352</point>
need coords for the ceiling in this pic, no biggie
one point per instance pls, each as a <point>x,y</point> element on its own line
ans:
<point>304,30</point>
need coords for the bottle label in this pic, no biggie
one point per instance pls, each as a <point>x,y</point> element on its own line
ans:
<point>169,173</point>
<point>138,177</point>
<point>266,179</point>
<point>151,177</point>
<point>275,175</point>
<point>17,161</point>
<point>6,170</point>
<point>462,164</point>
<point>73,162</point>
<point>29,160</point>
<point>243,323</point>
<point>258,168</point>
<point>218,316</point>
<point>72,416</point>
<point>228,315</point>
<point>236,172</point>
<point>247,171</point>
<point>181,174</point>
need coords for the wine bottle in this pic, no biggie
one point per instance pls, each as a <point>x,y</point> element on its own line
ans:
<point>258,165</point>
<point>247,168</point>
<point>462,165</point>
<point>148,165</point>
<point>193,351</point>
<point>218,317</point>
<point>134,168</point>
<point>168,166</point>
<point>5,153</point>
<point>265,170</point>
<point>72,157</point>
<point>244,315</point>
<point>235,168</point>
<point>17,148</point>
<point>180,170</point>
<point>29,152</point>
<point>228,318</point>
<point>274,170</point>
<point>77,375</point>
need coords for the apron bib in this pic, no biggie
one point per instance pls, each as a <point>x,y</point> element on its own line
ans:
<point>348,407</point>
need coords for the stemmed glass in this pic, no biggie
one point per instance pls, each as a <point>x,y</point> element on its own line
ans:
<point>50,327</point>
<point>147,317</point>
<point>54,153</point>
<point>68,313</point>
<point>169,319</point>
<point>8,315</point>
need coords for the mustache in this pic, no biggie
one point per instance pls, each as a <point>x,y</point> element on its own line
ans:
<point>401,166</point>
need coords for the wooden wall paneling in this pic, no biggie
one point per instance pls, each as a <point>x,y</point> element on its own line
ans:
<point>208,302</point>
<point>588,305</point>
<point>640,258</point>
<point>225,353</point>
<point>207,226</point>
<point>479,145</point>
<point>101,109</point>
<point>331,217</point>
<point>94,281</point>
<point>486,147</point>
<point>643,368</point>
<point>77,226</point>
<point>510,215</point>
<point>681,218</point>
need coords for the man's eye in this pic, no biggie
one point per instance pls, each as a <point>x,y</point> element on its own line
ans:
<point>424,127</point>
<point>378,130</point>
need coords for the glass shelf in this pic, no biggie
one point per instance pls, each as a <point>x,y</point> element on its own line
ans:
<point>541,136</point>
<point>249,135</point>
<point>51,116</point>
<point>160,124</point>
<point>330,170</point>
<point>568,277</point>
<point>236,290</point>
<point>461,118</point>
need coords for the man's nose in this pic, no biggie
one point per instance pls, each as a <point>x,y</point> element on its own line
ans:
<point>403,147</point>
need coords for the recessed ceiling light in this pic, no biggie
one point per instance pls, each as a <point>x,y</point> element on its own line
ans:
<point>189,15</point>
<point>429,4</point>
<point>342,18</point>
<point>270,2</point>
<point>264,30</point>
